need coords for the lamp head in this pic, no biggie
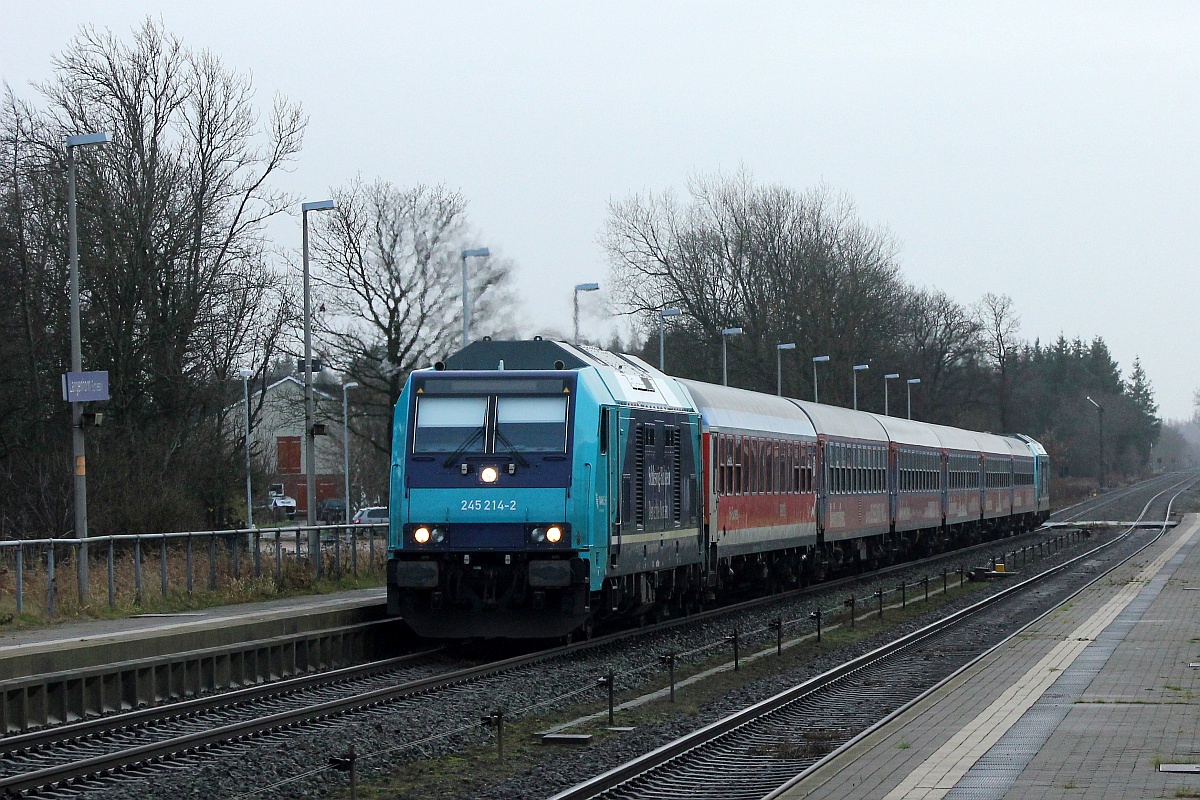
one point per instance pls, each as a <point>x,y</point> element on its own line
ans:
<point>316,205</point>
<point>820,358</point>
<point>893,375</point>
<point>913,380</point>
<point>788,346</point>
<point>478,251</point>
<point>730,331</point>
<point>88,138</point>
<point>246,374</point>
<point>670,312</point>
<point>350,385</point>
<point>858,367</point>
<point>587,287</point>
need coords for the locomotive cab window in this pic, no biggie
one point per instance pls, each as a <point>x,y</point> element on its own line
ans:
<point>451,424</point>
<point>531,424</point>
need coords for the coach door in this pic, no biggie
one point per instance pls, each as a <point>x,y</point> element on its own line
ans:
<point>822,488</point>
<point>893,484</point>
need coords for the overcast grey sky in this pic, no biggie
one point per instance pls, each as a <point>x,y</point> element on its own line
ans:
<point>1046,151</point>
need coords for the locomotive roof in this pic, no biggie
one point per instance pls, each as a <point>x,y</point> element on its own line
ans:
<point>726,407</point>
<point>1032,443</point>
<point>630,380</point>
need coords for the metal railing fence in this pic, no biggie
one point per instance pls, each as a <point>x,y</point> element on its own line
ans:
<point>185,560</point>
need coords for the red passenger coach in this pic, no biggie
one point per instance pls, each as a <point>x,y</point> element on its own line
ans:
<point>792,486</point>
<point>760,456</point>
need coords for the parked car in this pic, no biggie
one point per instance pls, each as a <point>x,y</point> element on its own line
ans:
<point>282,506</point>
<point>331,510</point>
<point>371,514</point>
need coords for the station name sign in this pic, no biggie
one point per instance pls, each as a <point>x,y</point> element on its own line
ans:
<point>85,387</point>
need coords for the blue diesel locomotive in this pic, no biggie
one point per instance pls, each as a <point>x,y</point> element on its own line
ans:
<point>539,487</point>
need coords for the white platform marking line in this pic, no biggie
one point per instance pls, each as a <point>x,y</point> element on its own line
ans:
<point>939,773</point>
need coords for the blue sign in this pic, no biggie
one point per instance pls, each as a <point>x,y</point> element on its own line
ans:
<point>85,387</point>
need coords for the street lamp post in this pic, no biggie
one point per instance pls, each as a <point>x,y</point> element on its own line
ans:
<point>887,378</point>
<point>779,348</point>
<point>77,443</point>
<point>725,334</point>
<point>910,383</point>
<point>816,396</point>
<point>310,438</point>
<point>246,374</point>
<point>1100,411</point>
<point>480,252</point>
<point>346,387</point>
<point>662,335</point>
<point>581,287</point>
<point>857,369</point>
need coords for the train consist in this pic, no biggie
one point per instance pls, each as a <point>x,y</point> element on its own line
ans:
<point>539,487</point>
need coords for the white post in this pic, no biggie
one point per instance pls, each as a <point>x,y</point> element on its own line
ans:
<point>857,368</point>
<point>779,348</point>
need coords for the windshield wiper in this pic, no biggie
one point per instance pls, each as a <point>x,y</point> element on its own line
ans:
<point>449,462</point>
<point>512,448</point>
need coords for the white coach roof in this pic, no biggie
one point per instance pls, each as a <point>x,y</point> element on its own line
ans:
<point>843,422</point>
<point>907,432</point>
<point>738,409</point>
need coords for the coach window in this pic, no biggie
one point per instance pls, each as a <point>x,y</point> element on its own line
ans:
<point>735,471</point>
<point>834,458</point>
<point>749,468</point>
<point>798,467</point>
<point>719,472</point>
<point>845,454</point>
<point>770,463</point>
<point>767,464</point>
<point>730,467</point>
<point>844,460</point>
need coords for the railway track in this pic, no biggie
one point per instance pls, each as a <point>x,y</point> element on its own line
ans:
<point>753,752</point>
<point>72,759</point>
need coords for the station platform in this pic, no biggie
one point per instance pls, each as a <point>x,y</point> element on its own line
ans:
<point>1094,700</point>
<point>91,643</point>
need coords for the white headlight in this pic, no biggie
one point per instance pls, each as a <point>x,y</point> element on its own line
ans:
<point>421,535</point>
<point>488,475</point>
<point>553,534</point>
<point>538,535</point>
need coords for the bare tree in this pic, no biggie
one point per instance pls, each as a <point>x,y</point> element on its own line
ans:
<point>179,285</point>
<point>782,265</point>
<point>388,271</point>
<point>999,328</point>
<point>941,339</point>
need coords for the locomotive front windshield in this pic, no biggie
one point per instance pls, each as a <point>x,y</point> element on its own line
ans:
<point>451,425</point>
<point>506,420</point>
<point>531,424</point>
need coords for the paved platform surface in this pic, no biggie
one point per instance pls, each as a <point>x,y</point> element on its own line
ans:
<point>103,641</point>
<point>1084,703</point>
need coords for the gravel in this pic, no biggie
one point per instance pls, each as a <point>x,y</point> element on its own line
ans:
<point>445,722</point>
